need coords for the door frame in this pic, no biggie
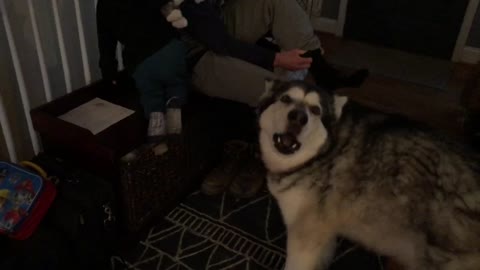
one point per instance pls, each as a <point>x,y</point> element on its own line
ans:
<point>461,53</point>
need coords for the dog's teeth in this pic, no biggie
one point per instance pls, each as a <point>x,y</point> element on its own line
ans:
<point>278,139</point>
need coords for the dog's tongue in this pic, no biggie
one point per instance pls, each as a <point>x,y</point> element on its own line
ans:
<point>286,143</point>
<point>287,139</point>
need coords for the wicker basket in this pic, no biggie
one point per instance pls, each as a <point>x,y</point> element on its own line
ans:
<point>152,185</point>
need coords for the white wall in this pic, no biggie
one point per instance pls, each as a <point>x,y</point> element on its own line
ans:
<point>19,17</point>
<point>474,35</point>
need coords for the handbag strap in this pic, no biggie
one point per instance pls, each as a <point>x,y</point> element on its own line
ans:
<point>34,167</point>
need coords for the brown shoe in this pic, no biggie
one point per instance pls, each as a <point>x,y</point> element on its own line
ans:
<point>249,181</point>
<point>235,154</point>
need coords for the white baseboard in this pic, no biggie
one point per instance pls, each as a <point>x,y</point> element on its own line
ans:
<point>470,55</point>
<point>324,25</point>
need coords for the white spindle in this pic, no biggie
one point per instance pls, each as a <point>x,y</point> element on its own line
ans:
<point>61,43</point>
<point>83,46</point>
<point>39,48</point>
<point>467,24</point>
<point>7,132</point>
<point>121,66</point>
<point>19,75</point>
<point>342,14</point>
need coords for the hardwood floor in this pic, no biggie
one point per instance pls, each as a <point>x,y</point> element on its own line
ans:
<point>439,109</point>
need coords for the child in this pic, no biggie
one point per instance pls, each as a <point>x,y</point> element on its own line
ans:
<point>152,54</point>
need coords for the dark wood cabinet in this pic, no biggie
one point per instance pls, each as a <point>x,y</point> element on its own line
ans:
<point>470,101</point>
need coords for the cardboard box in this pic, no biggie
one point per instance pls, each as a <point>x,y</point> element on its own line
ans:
<point>99,153</point>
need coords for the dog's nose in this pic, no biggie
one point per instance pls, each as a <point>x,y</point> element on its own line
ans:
<point>298,116</point>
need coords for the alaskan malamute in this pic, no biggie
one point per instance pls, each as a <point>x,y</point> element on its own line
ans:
<point>337,169</point>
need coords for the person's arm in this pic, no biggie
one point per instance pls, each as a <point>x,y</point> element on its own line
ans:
<point>107,43</point>
<point>205,26</point>
<point>292,60</point>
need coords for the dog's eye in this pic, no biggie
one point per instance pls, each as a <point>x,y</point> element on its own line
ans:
<point>315,110</point>
<point>286,99</point>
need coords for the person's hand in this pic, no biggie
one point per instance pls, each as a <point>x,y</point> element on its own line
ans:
<point>171,11</point>
<point>292,60</point>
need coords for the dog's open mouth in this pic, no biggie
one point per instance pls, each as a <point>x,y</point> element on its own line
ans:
<point>286,143</point>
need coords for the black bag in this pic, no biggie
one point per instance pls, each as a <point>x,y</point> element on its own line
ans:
<point>84,213</point>
<point>46,249</point>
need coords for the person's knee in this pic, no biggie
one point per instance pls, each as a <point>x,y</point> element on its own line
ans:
<point>143,83</point>
<point>177,101</point>
<point>168,72</point>
<point>219,48</point>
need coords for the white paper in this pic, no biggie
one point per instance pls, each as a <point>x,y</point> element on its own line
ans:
<point>96,115</point>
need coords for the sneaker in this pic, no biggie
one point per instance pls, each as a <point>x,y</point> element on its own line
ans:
<point>235,154</point>
<point>249,181</point>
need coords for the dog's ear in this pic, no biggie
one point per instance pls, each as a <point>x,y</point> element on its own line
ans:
<point>338,105</point>
<point>269,85</point>
<point>268,96</point>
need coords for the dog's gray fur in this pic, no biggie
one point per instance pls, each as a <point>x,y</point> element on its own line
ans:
<point>395,188</point>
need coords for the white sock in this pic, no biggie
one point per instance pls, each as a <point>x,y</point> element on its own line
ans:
<point>297,75</point>
<point>156,124</point>
<point>174,120</point>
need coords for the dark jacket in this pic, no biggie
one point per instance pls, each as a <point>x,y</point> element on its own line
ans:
<point>138,25</point>
<point>206,26</point>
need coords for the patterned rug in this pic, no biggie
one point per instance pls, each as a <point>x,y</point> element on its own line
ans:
<point>221,232</point>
